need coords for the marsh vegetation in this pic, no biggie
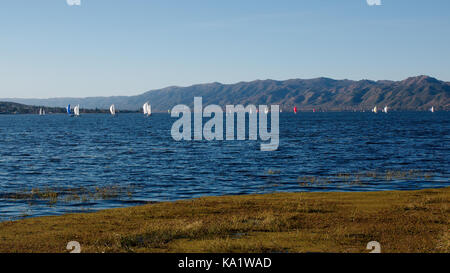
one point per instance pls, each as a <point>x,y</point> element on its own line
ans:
<point>402,221</point>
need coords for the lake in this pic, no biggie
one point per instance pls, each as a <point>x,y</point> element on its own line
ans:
<point>55,164</point>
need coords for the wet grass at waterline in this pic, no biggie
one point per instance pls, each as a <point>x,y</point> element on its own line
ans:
<point>84,197</point>
<point>358,178</point>
<point>401,221</point>
<point>54,195</point>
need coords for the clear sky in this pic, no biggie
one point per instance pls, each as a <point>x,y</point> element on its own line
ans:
<point>125,47</point>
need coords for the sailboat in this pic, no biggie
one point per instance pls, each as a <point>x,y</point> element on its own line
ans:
<point>147,108</point>
<point>432,109</point>
<point>385,109</point>
<point>266,110</point>
<point>76,110</point>
<point>295,109</point>
<point>375,110</point>
<point>112,109</point>
<point>41,111</point>
<point>144,108</point>
<point>68,110</point>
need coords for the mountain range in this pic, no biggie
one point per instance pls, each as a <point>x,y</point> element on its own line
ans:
<point>414,93</point>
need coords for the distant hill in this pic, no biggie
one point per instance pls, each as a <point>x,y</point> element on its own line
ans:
<point>17,108</point>
<point>415,93</point>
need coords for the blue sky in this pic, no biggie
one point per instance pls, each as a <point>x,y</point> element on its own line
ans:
<point>126,47</point>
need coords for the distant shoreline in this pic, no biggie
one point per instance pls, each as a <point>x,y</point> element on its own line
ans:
<point>84,113</point>
<point>158,112</point>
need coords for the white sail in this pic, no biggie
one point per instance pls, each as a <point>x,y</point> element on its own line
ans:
<point>149,109</point>
<point>40,111</point>
<point>432,109</point>
<point>43,111</point>
<point>112,109</point>
<point>76,110</point>
<point>385,110</point>
<point>145,108</point>
<point>266,110</point>
<point>375,110</point>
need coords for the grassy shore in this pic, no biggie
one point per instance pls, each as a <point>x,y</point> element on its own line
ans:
<point>401,221</point>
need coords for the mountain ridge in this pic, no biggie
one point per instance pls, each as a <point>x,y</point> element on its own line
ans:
<point>327,94</point>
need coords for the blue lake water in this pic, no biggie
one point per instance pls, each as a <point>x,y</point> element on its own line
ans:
<point>317,152</point>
